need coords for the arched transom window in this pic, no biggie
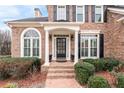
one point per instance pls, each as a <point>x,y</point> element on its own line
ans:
<point>31,44</point>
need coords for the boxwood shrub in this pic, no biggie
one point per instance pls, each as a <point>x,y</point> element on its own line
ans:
<point>103,63</point>
<point>98,82</point>
<point>120,80</point>
<point>83,71</point>
<point>98,63</point>
<point>110,63</point>
<point>18,67</point>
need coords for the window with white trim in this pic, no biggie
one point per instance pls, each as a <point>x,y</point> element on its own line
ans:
<point>89,46</point>
<point>61,12</point>
<point>80,13</point>
<point>31,44</point>
<point>98,13</point>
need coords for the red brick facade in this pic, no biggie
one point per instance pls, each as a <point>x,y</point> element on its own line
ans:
<point>113,34</point>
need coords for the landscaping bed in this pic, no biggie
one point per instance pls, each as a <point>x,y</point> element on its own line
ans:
<point>36,80</point>
<point>108,73</point>
<point>22,72</point>
<point>18,68</point>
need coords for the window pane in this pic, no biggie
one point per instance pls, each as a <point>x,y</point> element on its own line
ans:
<point>98,10</point>
<point>80,13</point>
<point>35,51</point>
<point>84,45</point>
<point>98,18</point>
<point>93,52</point>
<point>31,33</point>
<point>26,47</point>
<point>35,47</point>
<point>26,51</point>
<point>79,17</point>
<point>25,42</point>
<point>93,47</point>
<point>61,13</point>
<point>98,13</point>
<point>93,43</point>
<point>86,52</point>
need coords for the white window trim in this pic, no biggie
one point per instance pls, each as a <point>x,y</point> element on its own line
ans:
<point>22,42</point>
<point>102,14</point>
<point>89,47</point>
<point>58,12</point>
<point>83,13</point>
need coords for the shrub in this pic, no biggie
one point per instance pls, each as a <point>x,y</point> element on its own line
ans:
<point>119,68</point>
<point>83,71</point>
<point>103,63</point>
<point>18,67</point>
<point>110,63</point>
<point>98,63</point>
<point>120,80</point>
<point>98,82</point>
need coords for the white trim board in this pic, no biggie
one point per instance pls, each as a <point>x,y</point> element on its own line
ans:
<point>116,10</point>
<point>90,31</point>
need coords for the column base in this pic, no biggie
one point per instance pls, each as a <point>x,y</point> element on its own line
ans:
<point>46,64</point>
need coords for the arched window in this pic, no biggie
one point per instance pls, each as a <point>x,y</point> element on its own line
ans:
<point>31,43</point>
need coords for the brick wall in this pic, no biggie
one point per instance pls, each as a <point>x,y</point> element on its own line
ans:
<point>16,41</point>
<point>114,37</point>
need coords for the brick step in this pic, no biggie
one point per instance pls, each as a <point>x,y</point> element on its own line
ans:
<point>62,64</point>
<point>61,77</point>
<point>61,67</point>
<point>61,71</point>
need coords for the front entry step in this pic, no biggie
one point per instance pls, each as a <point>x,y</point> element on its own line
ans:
<point>59,70</point>
<point>61,75</point>
<point>61,60</point>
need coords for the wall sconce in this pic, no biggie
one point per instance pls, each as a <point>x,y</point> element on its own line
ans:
<point>72,37</point>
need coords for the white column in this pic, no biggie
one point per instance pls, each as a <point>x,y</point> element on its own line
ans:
<point>46,48</point>
<point>76,48</point>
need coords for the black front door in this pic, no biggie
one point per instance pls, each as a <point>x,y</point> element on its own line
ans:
<point>61,47</point>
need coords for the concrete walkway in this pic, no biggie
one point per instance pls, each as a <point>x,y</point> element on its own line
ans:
<point>61,75</point>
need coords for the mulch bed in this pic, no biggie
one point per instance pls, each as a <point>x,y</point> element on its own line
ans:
<point>36,80</point>
<point>107,75</point>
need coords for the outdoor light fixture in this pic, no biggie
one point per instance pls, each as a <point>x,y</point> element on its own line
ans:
<point>72,37</point>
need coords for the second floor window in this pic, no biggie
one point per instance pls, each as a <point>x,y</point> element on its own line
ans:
<point>98,14</point>
<point>80,13</point>
<point>61,12</point>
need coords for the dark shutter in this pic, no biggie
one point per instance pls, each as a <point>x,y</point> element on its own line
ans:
<point>74,12</point>
<point>101,45</point>
<point>55,12</point>
<point>105,13</point>
<point>86,13</point>
<point>79,46</point>
<point>67,12</point>
<point>93,13</point>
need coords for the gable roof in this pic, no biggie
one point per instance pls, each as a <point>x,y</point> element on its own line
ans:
<point>33,19</point>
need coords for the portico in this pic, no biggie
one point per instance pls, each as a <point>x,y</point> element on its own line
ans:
<point>58,39</point>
